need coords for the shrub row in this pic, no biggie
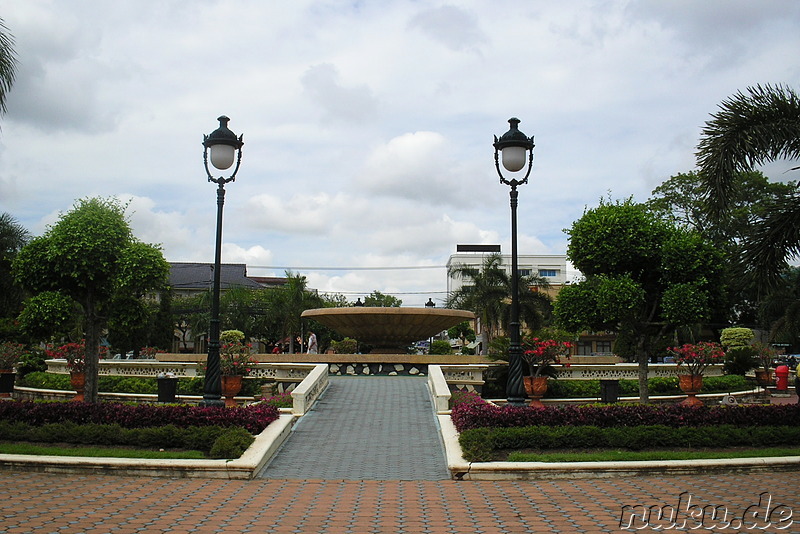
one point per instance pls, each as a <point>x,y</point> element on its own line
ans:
<point>469,416</point>
<point>581,389</point>
<point>216,441</point>
<point>130,384</point>
<point>478,445</point>
<point>253,418</point>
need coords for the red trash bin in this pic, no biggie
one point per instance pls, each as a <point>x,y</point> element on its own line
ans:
<point>782,378</point>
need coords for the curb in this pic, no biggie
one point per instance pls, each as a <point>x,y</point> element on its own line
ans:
<point>245,467</point>
<point>460,469</point>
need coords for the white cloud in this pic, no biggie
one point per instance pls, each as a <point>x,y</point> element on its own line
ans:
<point>368,126</point>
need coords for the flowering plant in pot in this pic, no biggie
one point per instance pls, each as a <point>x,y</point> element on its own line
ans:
<point>542,354</point>
<point>696,357</point>
<point>75,354</point>
<point>235,359</point>
<point>10,353</point>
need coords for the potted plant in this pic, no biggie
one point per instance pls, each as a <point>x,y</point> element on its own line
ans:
<point>10,353</point>
<point>235,362</point>
<point>75,354</point>
<point>541,355</point>
<point>766,356</point>
<point>694,358</point>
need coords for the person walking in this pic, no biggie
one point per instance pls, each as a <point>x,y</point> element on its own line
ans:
<point>312,343</point>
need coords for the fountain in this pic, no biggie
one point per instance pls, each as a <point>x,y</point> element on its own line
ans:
<point>388,330</point>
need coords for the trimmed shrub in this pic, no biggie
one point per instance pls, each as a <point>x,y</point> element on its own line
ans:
<point>231,444</point>
<point>470,416</point>
<point>478,445</point>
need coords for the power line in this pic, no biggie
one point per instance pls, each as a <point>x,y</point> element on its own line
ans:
<point>400,268</point>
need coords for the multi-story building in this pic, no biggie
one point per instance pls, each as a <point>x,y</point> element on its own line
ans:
<point>551,267</point>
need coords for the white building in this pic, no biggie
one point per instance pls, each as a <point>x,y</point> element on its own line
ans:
<point>551,267</point>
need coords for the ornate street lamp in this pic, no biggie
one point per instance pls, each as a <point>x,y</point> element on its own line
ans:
<point>223,147</point>
<point>516,148</point>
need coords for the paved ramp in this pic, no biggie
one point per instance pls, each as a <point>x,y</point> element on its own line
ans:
<point>365,428</point>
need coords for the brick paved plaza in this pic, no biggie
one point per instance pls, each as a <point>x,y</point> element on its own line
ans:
<point>36,503</point>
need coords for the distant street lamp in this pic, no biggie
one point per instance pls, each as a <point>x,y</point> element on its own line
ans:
<point>224,147</point>
<point>430,303</point>
<point>516,148</point>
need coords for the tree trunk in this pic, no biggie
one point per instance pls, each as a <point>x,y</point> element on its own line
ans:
<point>641,356</point>
<point>92,357</point>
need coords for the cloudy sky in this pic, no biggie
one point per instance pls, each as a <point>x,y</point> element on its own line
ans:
<point>368,125</point>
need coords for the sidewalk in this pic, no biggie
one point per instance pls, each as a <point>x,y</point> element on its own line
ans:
<point>365,428</point>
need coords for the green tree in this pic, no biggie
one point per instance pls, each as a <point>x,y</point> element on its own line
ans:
<point>780,310</point>
<point>463,332</point>
<point>749,130</point>
<point>90,255</point>
<point>644,278</point>
<point>376,299</point>
<point>679,201</point>
<point>13,236</point>
<point>487,293</point>
<point>289,302</point>
<point>8,64</point>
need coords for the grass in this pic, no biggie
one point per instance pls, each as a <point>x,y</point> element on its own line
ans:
<point>97,452</point>
<point>629,456</point>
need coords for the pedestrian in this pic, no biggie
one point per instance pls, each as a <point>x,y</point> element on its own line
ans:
<point>312,343</point>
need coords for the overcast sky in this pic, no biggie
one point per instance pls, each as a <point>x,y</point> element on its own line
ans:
<point>368,125</point>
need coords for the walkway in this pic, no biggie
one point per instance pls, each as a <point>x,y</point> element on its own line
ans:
<point>365,428</point>
<point>40,503</point>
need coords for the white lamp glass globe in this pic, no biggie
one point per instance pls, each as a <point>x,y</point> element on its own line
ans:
<point>222,156</point>
<point>514,158</point>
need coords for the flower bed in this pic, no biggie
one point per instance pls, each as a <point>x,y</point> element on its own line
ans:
<point>254,419</point>
<point>469,416</point>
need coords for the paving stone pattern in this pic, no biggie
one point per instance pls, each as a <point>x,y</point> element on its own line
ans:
<point>365,428</point>
<point>42,503</point>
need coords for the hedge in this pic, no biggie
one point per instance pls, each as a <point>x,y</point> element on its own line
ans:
<point>469,416</point>
<point>478,445</point>
<point>216,441</point>
<point>254,418</point>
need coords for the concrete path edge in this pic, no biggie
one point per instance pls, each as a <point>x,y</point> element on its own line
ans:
<point>461,469</point>
<point>246,466</point>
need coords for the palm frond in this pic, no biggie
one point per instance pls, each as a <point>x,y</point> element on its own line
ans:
<point>748,130</point>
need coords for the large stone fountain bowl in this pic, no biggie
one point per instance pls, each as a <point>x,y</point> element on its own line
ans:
<point>388,330</point>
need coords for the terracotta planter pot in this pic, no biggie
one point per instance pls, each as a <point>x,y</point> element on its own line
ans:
<point>7,377</point>
<point>78,381</point>
<point>535,387</point>
<point>764,378</point>
<point>691,385</point>
<point>231,386</point>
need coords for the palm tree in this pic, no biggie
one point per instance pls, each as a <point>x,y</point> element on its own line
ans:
<point>292,300</point>
<point>488,294</point>
<point>13,236</point>
<point>781,308</point>
<point>749,130</point>
<point>8,64</point>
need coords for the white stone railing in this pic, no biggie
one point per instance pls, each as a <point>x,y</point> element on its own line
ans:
<point>309,390</point>
<point>628,371</point>
<point>439,390</point>
<point>280,372</point>
<point>462,376</point>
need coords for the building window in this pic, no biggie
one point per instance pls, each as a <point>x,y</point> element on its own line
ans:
<point>524,272</point>
<point>552,273</point>
<point>604,347</point>
<point>584,348</point>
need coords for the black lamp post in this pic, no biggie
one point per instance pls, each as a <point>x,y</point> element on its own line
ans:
<point>224,147</point>
<point>516,148</point>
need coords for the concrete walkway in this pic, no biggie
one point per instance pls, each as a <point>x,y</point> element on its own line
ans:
<point>365,428</point>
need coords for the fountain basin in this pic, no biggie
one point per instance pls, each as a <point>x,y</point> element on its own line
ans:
<point>388,330</point>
